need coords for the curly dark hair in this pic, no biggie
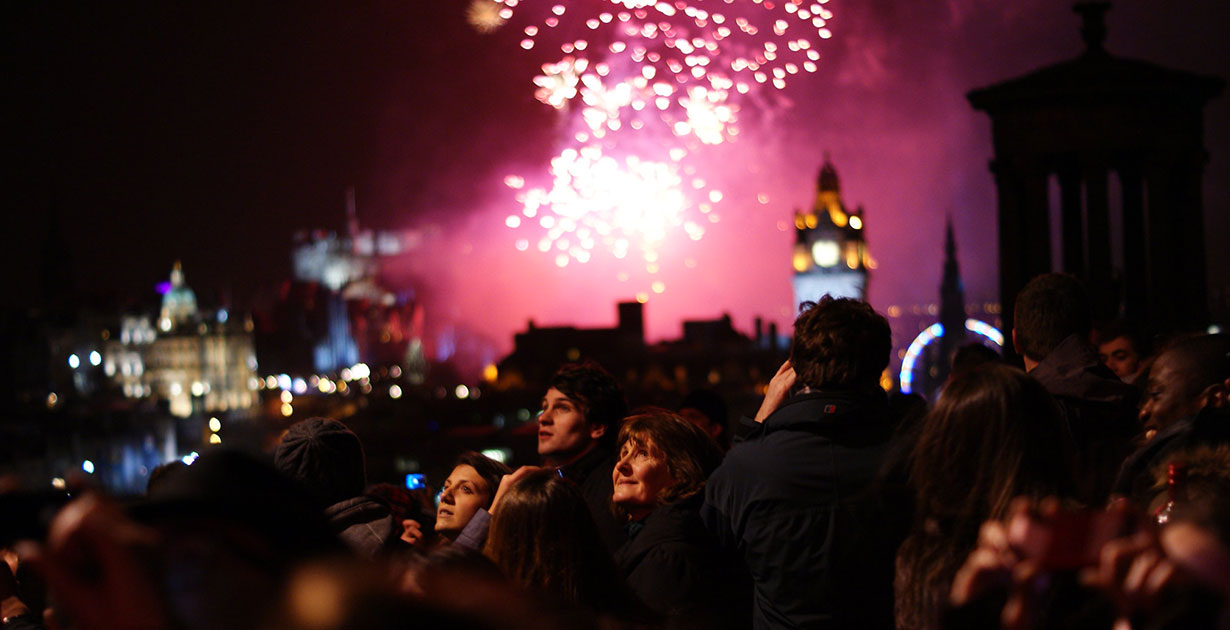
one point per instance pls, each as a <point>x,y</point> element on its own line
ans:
<point>1051,308</point>
<point>840,343</point>
<point>602,401</point>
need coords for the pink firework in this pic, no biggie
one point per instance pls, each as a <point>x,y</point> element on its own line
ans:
<point>647,86</point>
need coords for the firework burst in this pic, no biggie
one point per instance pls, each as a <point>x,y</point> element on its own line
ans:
<point>647,86</point>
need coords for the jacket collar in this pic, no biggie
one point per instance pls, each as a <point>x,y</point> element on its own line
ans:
<point>1072,369</point>
<point>832,412</point>
<point>584,465</point>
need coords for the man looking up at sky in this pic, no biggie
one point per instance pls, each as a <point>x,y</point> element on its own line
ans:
<point>577,427</point>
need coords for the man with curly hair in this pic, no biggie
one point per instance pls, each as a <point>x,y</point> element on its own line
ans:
<point>793,499</point>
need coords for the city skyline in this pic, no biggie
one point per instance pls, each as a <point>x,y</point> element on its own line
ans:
<point>212,137</point>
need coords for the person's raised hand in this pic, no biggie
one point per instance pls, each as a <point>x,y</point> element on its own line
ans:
<point>411,532</point>
<point>777,391</point>
<point>509,481</point>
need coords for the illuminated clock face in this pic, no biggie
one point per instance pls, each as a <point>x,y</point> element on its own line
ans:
<point>826,253</point>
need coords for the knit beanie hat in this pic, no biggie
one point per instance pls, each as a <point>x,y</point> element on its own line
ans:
<point>325,457</point>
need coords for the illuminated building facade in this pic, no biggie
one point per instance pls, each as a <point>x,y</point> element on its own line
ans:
<point>337,301</point>
<point>830,251</point>
<point>197,362</point>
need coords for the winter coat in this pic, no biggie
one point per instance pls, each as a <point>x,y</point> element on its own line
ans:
<point>592,474</point>
<point>1100,411</point>
<point>673,565</point>
<point>364,525</point>
<point>796,500</point>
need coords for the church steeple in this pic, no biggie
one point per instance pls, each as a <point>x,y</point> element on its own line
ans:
<point>952,300</point>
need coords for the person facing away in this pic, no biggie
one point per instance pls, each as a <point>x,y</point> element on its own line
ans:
<point>1052,321</point>
<point>545,542</point>
<point>326,458</point>
<point>793,499</point>
<point>991,437</point>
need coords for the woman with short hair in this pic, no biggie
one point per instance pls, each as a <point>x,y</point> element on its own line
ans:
<point>669,559</point>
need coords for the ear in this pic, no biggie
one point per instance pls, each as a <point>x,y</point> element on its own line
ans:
<point>596,430</point>
<point>1216,395</point>
<point>1015,345</point>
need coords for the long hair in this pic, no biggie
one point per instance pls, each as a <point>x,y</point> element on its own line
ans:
<point>544,540</point>
<point>690,454</point>
<point>995,434</point>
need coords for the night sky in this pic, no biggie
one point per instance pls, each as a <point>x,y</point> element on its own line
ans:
<point>211,133</point>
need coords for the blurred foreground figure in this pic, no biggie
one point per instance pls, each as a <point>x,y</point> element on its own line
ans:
<point>1044,566</point>
<point>792,499</point>
<point>995,434</point>
<point>545,542</point>
<point>327,459</point>
<point>1051,327</point>
<point>211,547</point>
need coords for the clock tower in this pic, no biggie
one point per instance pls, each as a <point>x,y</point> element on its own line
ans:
<point>830,252</point>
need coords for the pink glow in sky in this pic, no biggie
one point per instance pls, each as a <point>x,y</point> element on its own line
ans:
<point>213,135</point>
<point>887,102</point>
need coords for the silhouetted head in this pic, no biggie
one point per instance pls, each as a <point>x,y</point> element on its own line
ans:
<point>324,456</point>
<point>1051,308</point>
<point>707,410</point>
<point>544,540</point>
<point>840,343</point>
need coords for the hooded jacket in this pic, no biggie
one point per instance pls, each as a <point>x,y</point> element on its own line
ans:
<point>1100,411</point>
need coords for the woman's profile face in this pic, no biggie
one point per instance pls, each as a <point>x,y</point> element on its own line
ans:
<point>463,493</point>
<point>639,477</point>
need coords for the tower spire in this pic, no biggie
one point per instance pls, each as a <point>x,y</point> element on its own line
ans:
<point>1093,25</point>
<point>952,298</point>
<point>352,214</point>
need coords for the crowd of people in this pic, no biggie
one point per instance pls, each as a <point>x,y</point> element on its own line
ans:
<point>1090,489</point>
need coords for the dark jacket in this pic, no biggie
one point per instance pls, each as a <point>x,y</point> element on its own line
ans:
<point>1100,411</point>
<point>795,500</point>
<point>364,525</point>
<point>673,565</point>
<point>592,474</point>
